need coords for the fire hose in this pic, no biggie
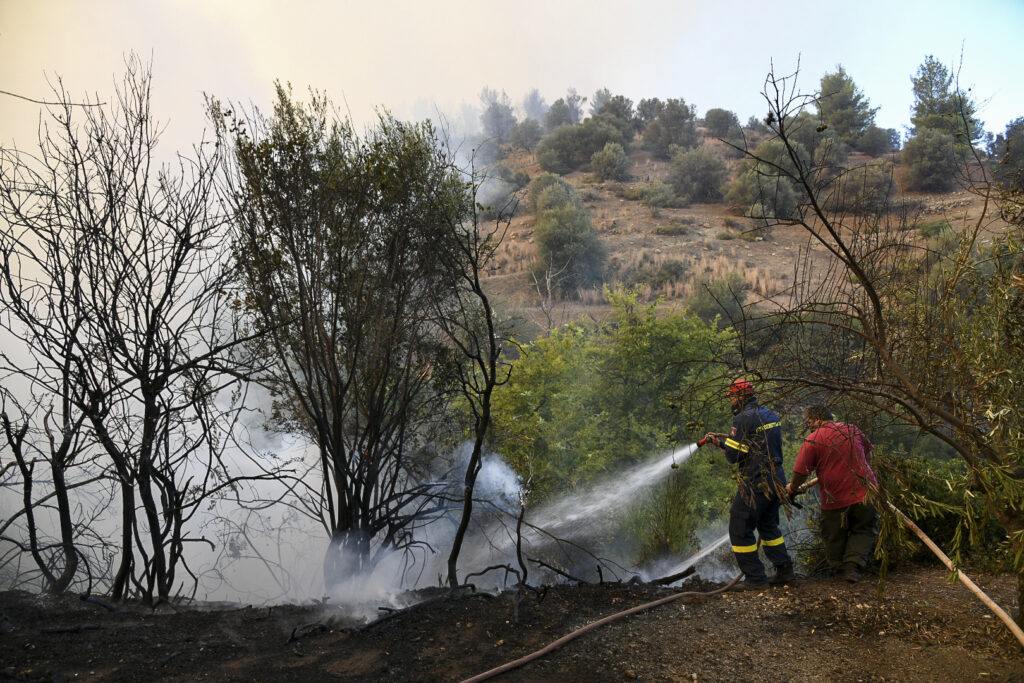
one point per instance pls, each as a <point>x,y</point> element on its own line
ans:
<point>964,579</point>
<point>515,664</point>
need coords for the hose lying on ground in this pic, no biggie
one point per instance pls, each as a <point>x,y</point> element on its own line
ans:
<point>1003,616</point>
<point>999,611</point>
<point>515,664</point>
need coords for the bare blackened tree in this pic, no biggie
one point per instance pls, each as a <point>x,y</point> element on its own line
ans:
<point>904,330</point>
<point>471,326</point>
<point>118,303</point>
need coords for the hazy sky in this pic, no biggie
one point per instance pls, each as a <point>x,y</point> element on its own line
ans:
<point>415,57</point>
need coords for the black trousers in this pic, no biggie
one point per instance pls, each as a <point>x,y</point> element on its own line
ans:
<point>849,534</point>
<point>750,513</point>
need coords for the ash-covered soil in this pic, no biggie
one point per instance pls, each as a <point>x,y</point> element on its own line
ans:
<point>921,628</point>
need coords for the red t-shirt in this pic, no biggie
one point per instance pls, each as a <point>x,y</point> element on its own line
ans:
<point>839,452</point>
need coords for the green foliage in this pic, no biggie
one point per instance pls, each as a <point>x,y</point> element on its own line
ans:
<point>526,134</point>
<point>539,198</point>
<point>723,296</point>
<point>656,195</point>
<point>875,141</point>
<point>656,276</point>
<point>1010,170</point>
<point>619,111</point>
<point>677,227</point>
<point>864,189</point>
<point>934,227</point>
<point>569,247</point>
<point>586,400</point>
<point>497,118</point>
<point>598,99</point>
<point>821,144</point>
<point>759,190</point>
<point>931,160</point>
<point>937,495</point>
<point>647,110</point>
<point>674,125</point>
<point>697,175</point>
<point>569,147</point>
<point>611,163</point>
<point>843,107</point>
<point>719,122</point>
<point>938,106</point>
<point>558,115</point>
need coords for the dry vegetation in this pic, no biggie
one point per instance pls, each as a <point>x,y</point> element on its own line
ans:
<point>710,241</point>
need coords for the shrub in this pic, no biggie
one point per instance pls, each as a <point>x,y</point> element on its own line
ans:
<point>548,191</point>
<point>722,296</point>
<point>656,195</point>
<point>875,141</point>
<point>671,229</point>
<point>697,174</point>
<point>671,270</point>
<point>933,228</point>
<point>611,163</point>
<point>526,134</point>
<point>719,122</point>
<point>865,189</point>
<point>569,246</point>
<point>569,147</point>
<point>930,160</point>
<point>673,126</point>
<point>759,190</point>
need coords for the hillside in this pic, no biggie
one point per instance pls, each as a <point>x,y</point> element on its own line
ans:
<point>709,240</point>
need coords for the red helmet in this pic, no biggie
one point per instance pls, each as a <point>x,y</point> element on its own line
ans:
<point>740,387</point>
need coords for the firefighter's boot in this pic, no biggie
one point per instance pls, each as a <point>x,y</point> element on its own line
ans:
<point>783,574</point>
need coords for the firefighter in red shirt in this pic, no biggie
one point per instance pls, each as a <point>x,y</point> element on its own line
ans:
<point>839,453</point>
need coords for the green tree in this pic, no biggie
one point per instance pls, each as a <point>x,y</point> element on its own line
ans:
<point>763,187</point>
<point>549,190</point>
<point>526,134</point>
<point>926,338</point>
<point>697,175</point>
<point>569,246</point>
<point>722,297</point>
<point>843,107</point>
<point>647,110</point>
<point>720,122</point>
<point>344,243</point>
<point>558,115</point>
<point>675,125</point>
<point>534,105</point>
<point>877,141</point>
<point>930,157</point>
<point>611,163</point>
<point>588,400</point>
<point>1010,170</point>
<point>498,119</point>
<point>939,106</point>
<point>569,147</point>
<point>598,100</point>
<point>618,110</point>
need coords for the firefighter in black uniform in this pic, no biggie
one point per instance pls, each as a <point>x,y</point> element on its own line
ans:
<point>755,444</point>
